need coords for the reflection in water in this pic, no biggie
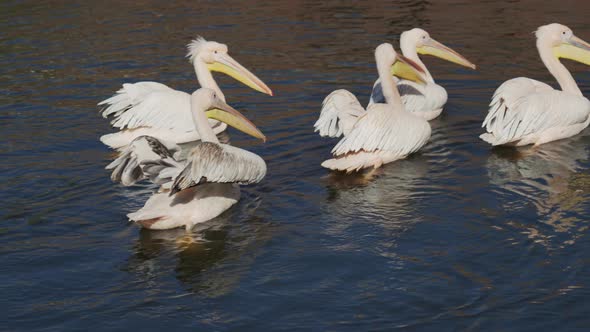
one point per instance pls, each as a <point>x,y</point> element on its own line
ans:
<point>204,258</point>
<point>548,177</point>
<point>388,199</point>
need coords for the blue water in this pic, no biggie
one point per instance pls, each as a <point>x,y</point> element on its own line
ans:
<point>456,237</point>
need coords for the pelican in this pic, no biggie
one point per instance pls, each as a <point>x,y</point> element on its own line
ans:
<point>525,111</point>
<point>424,100</point>
<point>381,134</point>
<point>154,109</point>
<point>207,183</point>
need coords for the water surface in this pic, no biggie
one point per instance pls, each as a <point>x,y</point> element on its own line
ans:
<point>457,237</point>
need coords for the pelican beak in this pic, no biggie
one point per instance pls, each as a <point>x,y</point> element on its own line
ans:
<point>434,48</point>
<point>227,65</point>
<point>574,49</point>
<point>221,111</point>
<point>408,70</point>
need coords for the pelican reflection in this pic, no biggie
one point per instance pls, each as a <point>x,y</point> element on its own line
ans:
<point>551,177</point>
<point>389,198</point>
<point>210,260</point>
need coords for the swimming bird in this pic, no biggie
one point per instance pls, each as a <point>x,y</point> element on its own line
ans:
<point>154,109</point>
<point>424,100</point>
<point>381,134</point>
<point>525,111</point>
<point>207,183</point>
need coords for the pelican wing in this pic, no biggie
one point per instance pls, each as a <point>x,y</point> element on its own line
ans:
<point>220,163</point>
<point>162,171</point>
<point>422,98</point>
<point>522,107</point>
<point>127,168</point>
<point>149,104</point>
<point>416,97</point>
<point>340,111</point>
<point>385,129</point>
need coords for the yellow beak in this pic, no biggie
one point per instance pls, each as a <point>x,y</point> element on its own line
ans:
<point>575,49</point>
<point>227,65</point>
<point>223,112</point>
<point>434,48</point>
<point>408,70</point>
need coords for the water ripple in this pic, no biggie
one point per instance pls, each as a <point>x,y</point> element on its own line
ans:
<point>457,237</point>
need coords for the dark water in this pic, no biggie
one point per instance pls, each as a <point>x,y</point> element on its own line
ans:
<point>458,237</point>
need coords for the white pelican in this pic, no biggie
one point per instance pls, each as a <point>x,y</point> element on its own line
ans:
<point>381,134</point>
<point>525,111</point>
<point>424,100</point>
<point>154,109</point>
<point>207,183</point>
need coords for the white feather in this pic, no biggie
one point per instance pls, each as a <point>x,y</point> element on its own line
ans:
<point>186,208</point>
<point>423,100</point>
<point>340,110</point>
<point>202,188</point>
<point>525,111</point>
<point>194,47</point>
<point>156,109</point>
<point>383,134</point>
<point>220,163</point>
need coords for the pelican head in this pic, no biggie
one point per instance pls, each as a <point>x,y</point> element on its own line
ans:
<point>215,56</point>
<point>563,42</point>
<point>420,40</point>
<point>401,66</point>
<point>209,102</point>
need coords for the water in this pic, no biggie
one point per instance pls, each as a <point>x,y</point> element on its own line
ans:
<point>457,237</point>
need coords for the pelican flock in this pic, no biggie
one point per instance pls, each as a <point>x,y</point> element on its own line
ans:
<point>382,133</point>
<point>207,183</point>
<point>154,109</point>
<point>155,120</point>
<point>198,183</point>
<point>422,99</point>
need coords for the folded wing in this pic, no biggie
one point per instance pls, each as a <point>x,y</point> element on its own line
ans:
<point>219,163</point>
<point>416,97</point>
<point>522,107</point>
<point>401,134</point>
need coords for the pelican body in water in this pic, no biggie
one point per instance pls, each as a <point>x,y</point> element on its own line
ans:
<point>381,134</point>
<point>424,100</point>
<point>525,111</point>
<point>207,183</point>
<point>154,109</point>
